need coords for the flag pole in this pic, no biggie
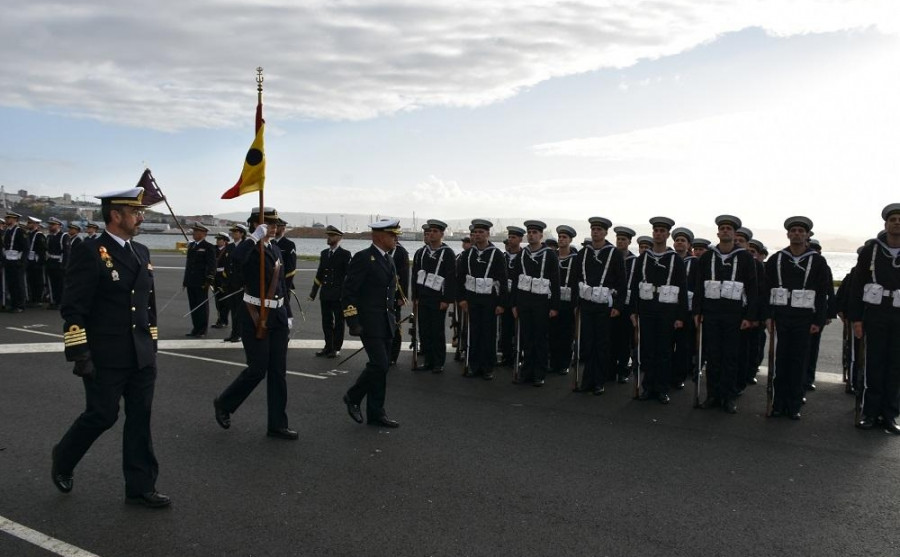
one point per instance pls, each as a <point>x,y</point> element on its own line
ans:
<point>171,212</point>
<point>263,314</point>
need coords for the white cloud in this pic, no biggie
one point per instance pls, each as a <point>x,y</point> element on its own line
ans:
<point>190,64</point>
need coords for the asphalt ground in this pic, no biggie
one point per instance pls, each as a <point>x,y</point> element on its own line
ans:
<point>477,467</point>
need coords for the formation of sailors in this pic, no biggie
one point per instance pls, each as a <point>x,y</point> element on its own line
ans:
<point>34,257</point>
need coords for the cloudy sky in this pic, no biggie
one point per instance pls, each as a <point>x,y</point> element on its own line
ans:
<point>456,109</point>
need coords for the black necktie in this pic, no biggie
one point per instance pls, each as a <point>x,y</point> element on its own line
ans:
<point>130,248</point>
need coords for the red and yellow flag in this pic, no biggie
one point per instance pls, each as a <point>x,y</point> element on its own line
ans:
<point>253,175</point>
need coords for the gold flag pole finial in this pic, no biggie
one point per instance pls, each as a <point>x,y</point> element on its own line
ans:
<point>259,80</point>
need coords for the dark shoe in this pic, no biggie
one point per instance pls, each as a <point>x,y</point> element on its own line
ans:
<point>63,482</point>
<point>730,407</point>
<point>151,499</point>
<point>795,415</point>
<point>538,383</point>
<point>811,387</point>
<point>470,373</point>
<point>663,398</point>
<point>753,381</point>
<point>423,368</point>
<point>283,433</point>
<point>890,426</point>
<point>488,376</point>
<point>679,385</point>
<point>505,363</point>
<point>866,423</point>
<point>563,371</point>
<point>645,395</point>
<point>223,418</point>
<point>195,335</point>
<point>776,413</point>
<point>599,390</point>
<point>323,353</point>
<point>623,379</point>
<point>232,339</point>
<point>437,370</point>
<point>218,326</point>
<point>384,421</point>
<point>333,355</point>
<point>711,402</point>
<point>353,410</point>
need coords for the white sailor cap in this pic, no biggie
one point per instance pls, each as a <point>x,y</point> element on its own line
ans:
<point>664,222</point>
<point>386,225</point>
<point>131,197</point>
<point>791,222</point>
<point>223,236</point>
<point>239,228</point>
<point>745,232</point>
<point>682,231</point>
<point>75,225</point>
<point>730,220</point>
<point>35,220</point>
<point>624,231</point>
<point>515,230</point>
<point>891,209</point>
<point>270,215</point>
<point>199,226</point>
<point>331,229</point>
<point>13,214</point>
<point>604,223</point>
<point>54,220</point>
<point>481,223</point>
<point>535,225</point>
<point>565,229</point>
<point>434,223</point>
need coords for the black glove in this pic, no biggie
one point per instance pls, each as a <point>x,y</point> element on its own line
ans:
<point>354,326</point>
<point>84,368</point>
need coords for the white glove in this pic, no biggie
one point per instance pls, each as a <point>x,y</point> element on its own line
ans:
<point>259,233</point>
<point>290,322</point>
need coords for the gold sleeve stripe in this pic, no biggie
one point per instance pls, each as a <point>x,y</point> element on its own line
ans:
<point>292,273</point>
<point>318,282</point>
<point>350,311</point>
<point>154,333</point>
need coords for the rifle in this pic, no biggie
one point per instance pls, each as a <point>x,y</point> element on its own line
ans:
<point>637,361</point>
<point>576,377</point>
<point>360,349</point>
<point>414,335</point>
<point>467,326</point>
<point>860,364</point>
<point>698,365</point>
<point>846,348</point>
<point>770,375</point>
<point>518,352</point>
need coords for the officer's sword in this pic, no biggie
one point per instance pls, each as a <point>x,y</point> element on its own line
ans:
<point>206,301</point>
<point>300,307</point>
<point>363,347</point>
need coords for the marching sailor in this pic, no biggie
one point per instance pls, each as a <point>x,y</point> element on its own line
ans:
<point>34,267</point>
<point>874,310</point>
<point>482,279</point>
<point>234,281</point>
<point>15,251</point>
<point>724,304</point>
<point>600,276</point>
<point>535,301</point>
<point>55,264</point>
<point>288,252</point>
<point>797,303</point>
<point>433,290</point>
<point>659,299</point>
<point>562,335</point>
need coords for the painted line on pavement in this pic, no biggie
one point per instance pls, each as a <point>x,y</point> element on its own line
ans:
<point>43,541</point>
<point>238,364</point>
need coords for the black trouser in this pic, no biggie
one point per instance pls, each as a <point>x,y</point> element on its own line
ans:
<point>534,327</point>
<point>236,302</point>
<point>431,330</point>
<point>223,307</point>
<point>595,330</point>
<point>508,337</point>
<point>35,276</point>
<point>372,382</point>
<point>792,345</point>
<point>683,359</point>
<point>482,334</point>
<point>761,345</point>
<point>562,337</point>
<point>621,344</point>
<point>55,276</point>
<point>102,395</point>
<point>397,341</point>
<point>657,338</point>
<point>881,374</point>
<point>813,360</point>
<point>266,357</point>
<point>721,345</point>
<point>200,314</point>
<point>332,324</point>
<point>15,283</point>
<point>747,359</point>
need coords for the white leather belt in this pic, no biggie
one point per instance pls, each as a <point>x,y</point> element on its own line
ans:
<point>220,269</point>
<point>55,257</point>
<point>269,303</point>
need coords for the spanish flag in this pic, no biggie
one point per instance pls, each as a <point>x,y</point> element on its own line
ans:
<point>253,176</point>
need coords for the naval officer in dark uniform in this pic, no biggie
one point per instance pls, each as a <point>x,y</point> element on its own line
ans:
<point>265,347</point>
<point>109,309</point>
<point>55,264</point>
<point>288,252</point>
<point>368,300</point>
<point>328,284</point>
<point>199,274</point>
